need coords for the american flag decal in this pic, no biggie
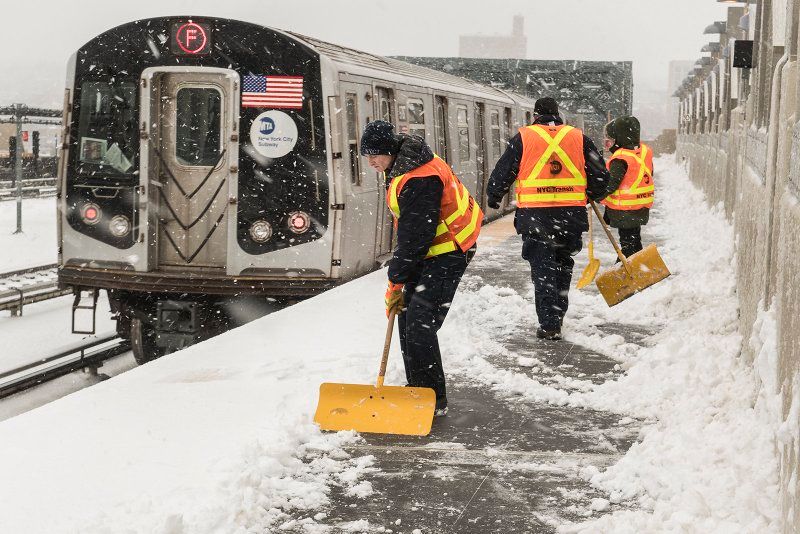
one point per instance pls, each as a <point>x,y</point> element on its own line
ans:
<point>272,92</point>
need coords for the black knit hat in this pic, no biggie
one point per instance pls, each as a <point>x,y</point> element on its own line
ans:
<point>546,106</point>
<point>378,138</point>
<point>611,131</point>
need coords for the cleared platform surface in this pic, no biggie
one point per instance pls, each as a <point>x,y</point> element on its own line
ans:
<point>497,463</point>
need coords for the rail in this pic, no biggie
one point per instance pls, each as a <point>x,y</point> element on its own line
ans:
<point>61,363</point>
<point>27,286</point>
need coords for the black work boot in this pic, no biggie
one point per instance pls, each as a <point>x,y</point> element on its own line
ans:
<point>441,407</point>
<point>552,335</point>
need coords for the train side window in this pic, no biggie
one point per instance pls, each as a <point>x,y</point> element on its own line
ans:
<point>385,104</point>
<point>440,124</point>
<point>463,133</point>
<point>507,121</point>
<point>416,117</point>
<point>494,126</point>
<point>351,116</point>
<point>198,126</point>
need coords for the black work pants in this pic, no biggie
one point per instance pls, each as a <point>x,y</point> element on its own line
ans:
<point>550,254</point>
<point>630,240</point>
<point>427,296</point>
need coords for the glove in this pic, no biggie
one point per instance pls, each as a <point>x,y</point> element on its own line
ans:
<point>393,298</point>
<point>494,204</point>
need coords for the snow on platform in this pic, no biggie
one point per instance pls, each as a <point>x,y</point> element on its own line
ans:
<point>219,438</point>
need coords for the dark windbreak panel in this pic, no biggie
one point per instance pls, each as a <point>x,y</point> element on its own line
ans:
<point>104,152</point>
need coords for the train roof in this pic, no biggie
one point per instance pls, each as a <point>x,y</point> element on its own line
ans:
<point>404,71</point>
<point>360,62</point>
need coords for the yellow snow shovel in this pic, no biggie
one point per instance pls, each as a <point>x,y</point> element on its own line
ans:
<point>594,264</point>
<point>633,274</point>
<point>378,409</point>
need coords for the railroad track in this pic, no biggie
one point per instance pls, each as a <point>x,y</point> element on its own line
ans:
<point>26,286</point>
<point>89,354</point>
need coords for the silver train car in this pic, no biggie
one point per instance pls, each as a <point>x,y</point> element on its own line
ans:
<point>211,166</point>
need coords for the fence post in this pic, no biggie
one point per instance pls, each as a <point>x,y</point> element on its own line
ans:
<point>18,166</point>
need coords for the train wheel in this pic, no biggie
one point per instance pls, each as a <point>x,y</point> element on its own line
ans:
<point>143,342</point>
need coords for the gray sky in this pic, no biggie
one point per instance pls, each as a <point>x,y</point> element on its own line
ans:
<point>38,36</point>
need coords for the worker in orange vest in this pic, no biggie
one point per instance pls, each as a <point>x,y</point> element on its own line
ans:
<point>437,223</point>
<point>631,166</point>
<point>555,169</point>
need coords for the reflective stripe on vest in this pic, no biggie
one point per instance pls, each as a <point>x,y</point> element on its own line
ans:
<point>552,172</point>
<point>460,218</point>
<point>637,189</point>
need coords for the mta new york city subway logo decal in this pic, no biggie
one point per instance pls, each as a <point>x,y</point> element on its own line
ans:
<point>267,126</point>
<point>273,134</point>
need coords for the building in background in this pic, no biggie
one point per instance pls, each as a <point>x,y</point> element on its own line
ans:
<point>514,46</point>
<point>677,72</point>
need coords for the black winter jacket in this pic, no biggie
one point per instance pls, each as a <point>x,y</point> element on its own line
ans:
<point>420,204</point>
<point>535,220</point>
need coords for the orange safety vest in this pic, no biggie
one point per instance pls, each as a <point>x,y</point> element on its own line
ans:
<point>552,172</point>
<point>460,217</point>
<point>637,190</point>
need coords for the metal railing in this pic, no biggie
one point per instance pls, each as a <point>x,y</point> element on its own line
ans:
<point>63,362</point>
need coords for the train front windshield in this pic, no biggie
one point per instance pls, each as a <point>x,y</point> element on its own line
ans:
<point>107,132</point>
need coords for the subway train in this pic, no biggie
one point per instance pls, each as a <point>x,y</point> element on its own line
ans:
<point>211,167</point>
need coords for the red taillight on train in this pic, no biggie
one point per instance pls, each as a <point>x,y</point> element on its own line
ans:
<point>91,214</point>
<point>299,222</point>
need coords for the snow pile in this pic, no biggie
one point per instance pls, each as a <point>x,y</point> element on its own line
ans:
<point>708,461</point>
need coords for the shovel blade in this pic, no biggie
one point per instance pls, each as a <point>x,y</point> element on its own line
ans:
<point>589,273</point>
<point>647,268</point>
<point>367,408</point>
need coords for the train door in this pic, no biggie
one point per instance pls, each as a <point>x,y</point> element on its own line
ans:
<point>361,204</point>
<point>192,118</point>
<point>384,109</point>
<point>480,153</point>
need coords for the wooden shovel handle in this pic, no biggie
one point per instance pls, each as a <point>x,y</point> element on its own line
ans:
<point>386,344</point>
<point>622,257</point>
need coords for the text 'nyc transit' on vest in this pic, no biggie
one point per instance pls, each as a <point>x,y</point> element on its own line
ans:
<point>460,218</point>
<point>637,190</point>
<point>552,172</point>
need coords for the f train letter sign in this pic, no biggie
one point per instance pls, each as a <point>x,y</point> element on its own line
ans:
<point>190,39</point>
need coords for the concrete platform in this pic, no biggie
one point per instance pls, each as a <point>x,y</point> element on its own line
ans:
<point>496,463</point>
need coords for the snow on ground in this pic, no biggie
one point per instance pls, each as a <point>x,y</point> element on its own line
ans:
<point>37,243</point>
<point>215,438</point>
<point>219,438</point>
<point>43,329</point>
<point>706,461</point>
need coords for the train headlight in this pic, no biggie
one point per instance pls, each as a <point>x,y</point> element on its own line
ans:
<point>120,226</point>
<point>260,231</point>
<point>299,222</point>
<point>91,214</point>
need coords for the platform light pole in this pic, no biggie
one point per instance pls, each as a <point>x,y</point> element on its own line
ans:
<point>18,165</point>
